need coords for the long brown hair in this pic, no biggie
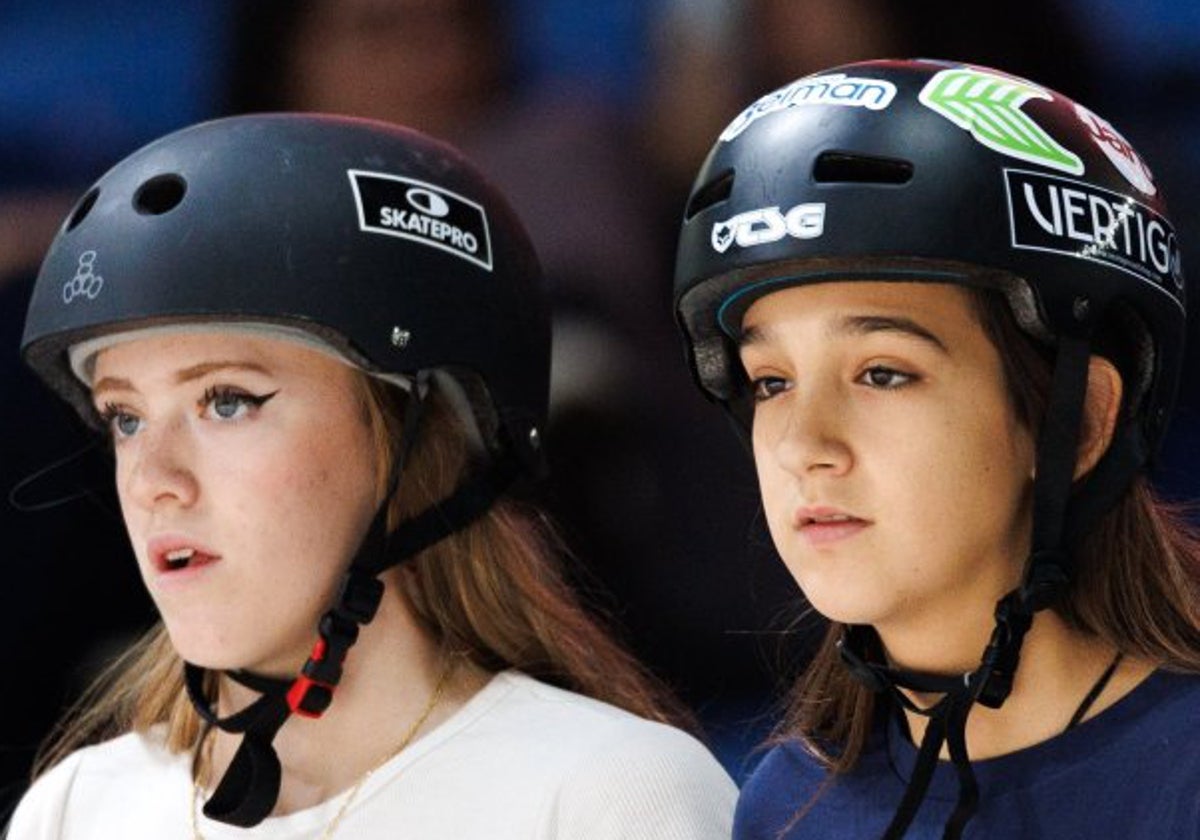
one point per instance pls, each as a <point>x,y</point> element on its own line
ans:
<point>494,592</point>
<point>1136,584</point>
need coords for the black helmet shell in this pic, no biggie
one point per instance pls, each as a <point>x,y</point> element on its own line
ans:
<point>927,170</point>
<point>378,240</point>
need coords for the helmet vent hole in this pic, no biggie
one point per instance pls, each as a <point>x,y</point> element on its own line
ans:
<point>159,195</point>
<point>83,208</point>
<point>844,168</point>
<point>712,193</point>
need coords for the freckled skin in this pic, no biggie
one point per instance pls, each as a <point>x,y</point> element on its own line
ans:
<point>282,492</point>
<point>937,464</point>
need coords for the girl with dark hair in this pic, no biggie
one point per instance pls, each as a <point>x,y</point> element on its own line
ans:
<point>949,306</point>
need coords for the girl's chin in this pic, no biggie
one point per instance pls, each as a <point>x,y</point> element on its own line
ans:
<point>214,657</point>
<point>839,611</point>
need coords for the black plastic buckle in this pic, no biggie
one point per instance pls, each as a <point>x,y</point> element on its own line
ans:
<point>359,597</point>
<point>993,681</point>
<point>1047,580</point>
<point>357,602</point>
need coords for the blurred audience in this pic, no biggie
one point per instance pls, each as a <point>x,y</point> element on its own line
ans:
<point>599,168</point>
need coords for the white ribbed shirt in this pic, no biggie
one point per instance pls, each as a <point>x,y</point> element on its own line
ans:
<point>520,759</point>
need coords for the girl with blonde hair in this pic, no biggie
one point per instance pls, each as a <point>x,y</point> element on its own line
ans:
<point>321,353</point>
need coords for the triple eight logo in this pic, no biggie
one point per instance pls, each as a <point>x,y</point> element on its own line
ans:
<point>769,224</point>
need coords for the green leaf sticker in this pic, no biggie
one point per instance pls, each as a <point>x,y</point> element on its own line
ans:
<point>989,106</point>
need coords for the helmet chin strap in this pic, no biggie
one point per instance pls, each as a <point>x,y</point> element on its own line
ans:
<point>248,791</point>
<point>1046,577</point>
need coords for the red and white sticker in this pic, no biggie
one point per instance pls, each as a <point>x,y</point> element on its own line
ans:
<point>1118,150</point>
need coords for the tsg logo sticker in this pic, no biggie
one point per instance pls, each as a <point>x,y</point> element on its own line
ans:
<point>1050,213</point>
<point>768,224</point>
<point>422,212</point>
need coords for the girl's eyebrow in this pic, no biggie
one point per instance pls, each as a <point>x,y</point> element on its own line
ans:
<point>751,335</point>
<point>188,374</point>
<point>865,324</point>
<point>197,371</point>
<point>855,325</point>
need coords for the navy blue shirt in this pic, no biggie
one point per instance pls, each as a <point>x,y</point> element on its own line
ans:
<point>1132,771</point>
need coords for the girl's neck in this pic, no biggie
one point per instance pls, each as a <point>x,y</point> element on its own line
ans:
<point>1058,667</point>
<point>391,674</point>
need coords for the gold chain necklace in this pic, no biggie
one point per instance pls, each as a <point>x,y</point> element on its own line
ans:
<point>197,792</point>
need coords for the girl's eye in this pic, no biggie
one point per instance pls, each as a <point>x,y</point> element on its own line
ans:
<point>231,404</point>
<point>766,387</point>
<point>885,378</point>
<point>120,422</point>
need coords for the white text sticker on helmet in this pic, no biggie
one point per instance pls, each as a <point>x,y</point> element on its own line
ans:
<point>1118,150</point>
<point>832,89</point>
<point>989,106</point>
<point>1065,216</point>
<point>768,224</point>
<point>422,212</point>
<point>86,282</point>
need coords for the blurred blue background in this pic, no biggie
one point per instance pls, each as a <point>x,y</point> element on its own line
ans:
<point>592,115</point>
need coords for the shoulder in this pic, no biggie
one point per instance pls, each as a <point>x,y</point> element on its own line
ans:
<point>1167,695</point>
<point>40,811</point>
<point>776,790</point>
<point>568,722</point>
<point>786,763</point>
<point>122,759</point>
<point>1155,729</point>
<point>618,775</point>
<point>574,725</point>
<point>91,781</point>
<point>1160,717</point>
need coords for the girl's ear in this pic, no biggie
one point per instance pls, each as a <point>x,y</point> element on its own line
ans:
<point>1100,410</point>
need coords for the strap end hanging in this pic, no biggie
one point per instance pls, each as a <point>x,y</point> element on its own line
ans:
<point>249,789</point>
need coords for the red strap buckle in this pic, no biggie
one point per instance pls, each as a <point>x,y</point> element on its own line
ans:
<point>309,698</point>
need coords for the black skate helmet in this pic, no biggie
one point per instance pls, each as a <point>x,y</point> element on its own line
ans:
<point>381,243</point>
<point>939,172</point>
<point>366,240</point>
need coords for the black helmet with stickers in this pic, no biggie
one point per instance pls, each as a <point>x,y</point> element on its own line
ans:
<point>368,240</point>
<point>378,241</point>
<point>884,169</point>
<point>939,172</point>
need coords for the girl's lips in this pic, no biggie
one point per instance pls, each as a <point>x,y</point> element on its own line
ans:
<point>822,525</point>
<point>823,533</point>
<point>175,554</point>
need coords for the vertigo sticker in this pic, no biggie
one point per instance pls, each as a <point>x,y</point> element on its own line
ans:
<point>989,106</point>
<point>1049,213</point>
<point>831,89</point>
<point>422,212</point>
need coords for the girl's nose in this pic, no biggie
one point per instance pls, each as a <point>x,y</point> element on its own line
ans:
<point>154,467</point>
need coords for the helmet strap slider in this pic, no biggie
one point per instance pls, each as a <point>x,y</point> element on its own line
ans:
<point>358,600</point>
